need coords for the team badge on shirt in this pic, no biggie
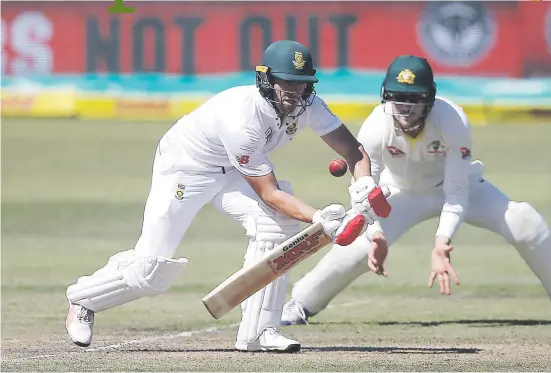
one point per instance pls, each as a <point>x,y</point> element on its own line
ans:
<point>180,191</point>
<point>291,129</point>
<point>436,148</point>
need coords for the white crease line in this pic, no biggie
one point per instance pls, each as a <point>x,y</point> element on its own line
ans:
<point>34,357</point>
<point>210,329</point>
<point>350,304</point>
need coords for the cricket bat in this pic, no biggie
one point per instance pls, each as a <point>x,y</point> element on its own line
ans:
<point>247,281</point>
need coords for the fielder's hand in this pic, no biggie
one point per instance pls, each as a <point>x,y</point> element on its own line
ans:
<point>378,250</point>
<point>442,267</point>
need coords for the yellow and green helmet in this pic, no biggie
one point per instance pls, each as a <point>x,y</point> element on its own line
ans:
<point>409,79</point>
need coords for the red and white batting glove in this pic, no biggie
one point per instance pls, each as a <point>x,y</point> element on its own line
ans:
<point>341,226</point>
<point>367,198</point>
<point>330,218</point>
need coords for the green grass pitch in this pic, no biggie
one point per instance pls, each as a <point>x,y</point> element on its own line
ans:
<point>73,194</point>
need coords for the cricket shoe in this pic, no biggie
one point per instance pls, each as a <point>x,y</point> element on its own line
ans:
<point>79,324</point>
<point>270,340</point>
<point>294,313</point>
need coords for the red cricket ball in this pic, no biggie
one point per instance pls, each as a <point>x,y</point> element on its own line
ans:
<point>338,167</point>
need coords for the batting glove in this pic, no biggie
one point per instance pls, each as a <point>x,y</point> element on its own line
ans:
<point>343,227</point>
<point>367,198</point>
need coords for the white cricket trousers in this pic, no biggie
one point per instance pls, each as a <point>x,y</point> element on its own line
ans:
<point>519,223</point>
<point>175,199</point>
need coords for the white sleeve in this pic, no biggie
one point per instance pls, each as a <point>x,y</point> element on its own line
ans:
<point>371,136</point>
<point>321,119</point>
<point>456,133</point>
<point>244,149</point>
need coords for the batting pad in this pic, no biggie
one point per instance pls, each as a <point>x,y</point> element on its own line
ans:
<point>263,309</point>
<point>125,278</point>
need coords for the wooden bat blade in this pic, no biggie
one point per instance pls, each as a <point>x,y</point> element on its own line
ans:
<point>247,281</point>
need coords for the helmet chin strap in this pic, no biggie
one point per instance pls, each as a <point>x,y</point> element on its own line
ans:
<point>419,124</point>
<point>280,113</point>
<point>272,100</point>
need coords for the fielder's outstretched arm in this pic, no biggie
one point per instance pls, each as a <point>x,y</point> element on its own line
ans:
<point>457,135</point>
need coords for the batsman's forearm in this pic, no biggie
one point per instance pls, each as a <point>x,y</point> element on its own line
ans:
<point>291,206</point>
<point>360,165</point>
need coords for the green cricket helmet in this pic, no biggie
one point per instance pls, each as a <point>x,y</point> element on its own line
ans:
<point>409,81</point>
<point>290,61</point>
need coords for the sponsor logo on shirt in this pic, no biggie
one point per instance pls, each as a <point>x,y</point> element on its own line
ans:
<point>242,159</point>
<point>395,152</point>
<point>465,152</point>
<point>268,133</point>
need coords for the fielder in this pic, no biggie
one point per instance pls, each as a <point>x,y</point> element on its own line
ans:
<point>420,148</point>
<point>217,154</point>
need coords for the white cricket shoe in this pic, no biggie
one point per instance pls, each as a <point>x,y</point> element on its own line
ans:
<point>270,340</point>
<point>293,313</point>
<point>79,324</point>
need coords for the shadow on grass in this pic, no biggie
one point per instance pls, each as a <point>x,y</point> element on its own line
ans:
<point>397,350</point>
<point>393,350</point>
<point>474,323</point>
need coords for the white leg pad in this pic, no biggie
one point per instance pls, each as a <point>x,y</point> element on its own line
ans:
<point>532,238</point>
<point>125,278</point>
<point>263,309</point>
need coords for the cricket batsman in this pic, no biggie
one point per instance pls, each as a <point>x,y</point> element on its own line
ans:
<point>218,154</point>
<point>420,148</point>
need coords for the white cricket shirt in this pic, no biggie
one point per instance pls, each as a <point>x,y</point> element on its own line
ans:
<point>439,157</point>
<point>237,128</point>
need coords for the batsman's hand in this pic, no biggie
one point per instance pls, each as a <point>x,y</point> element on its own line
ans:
<point>343,227</point>
<point>330,218</point>
<point>442,267</point>
<point>367,198</point>
<point>378,250</point>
